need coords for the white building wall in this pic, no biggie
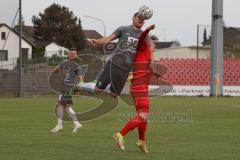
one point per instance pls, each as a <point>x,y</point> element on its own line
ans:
<point>54,48</point>
<point>12,45</point>
<point>204,53</point>
<point>182,52</point>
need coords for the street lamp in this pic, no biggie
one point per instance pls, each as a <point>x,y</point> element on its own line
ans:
<point>104,29</point>
<point>216,85</point>
<point>100,20</point>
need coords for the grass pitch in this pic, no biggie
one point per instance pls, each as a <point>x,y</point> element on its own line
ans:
<point>181,129</point>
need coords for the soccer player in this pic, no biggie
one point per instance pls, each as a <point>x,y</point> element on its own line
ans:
<point>117,68</point>
<point>71,69</point>
<point>139,90</point>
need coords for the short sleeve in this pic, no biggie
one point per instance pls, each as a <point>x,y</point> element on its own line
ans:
<point>118,32</point>
<point>62,63</point>
<point>79,70</point>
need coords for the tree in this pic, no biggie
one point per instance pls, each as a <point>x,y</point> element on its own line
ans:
<point>205,35</point>
<point>58,24</point>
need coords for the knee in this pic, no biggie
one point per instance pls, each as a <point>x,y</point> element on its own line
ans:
<point>144,115</point>
<point>97,90</point>
<point>67,106</point>
<point>58,104</point>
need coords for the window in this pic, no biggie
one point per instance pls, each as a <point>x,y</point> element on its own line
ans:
<point>65,52</point>
<point>60,52</point>
<point>25,55</point>
<point>3,35</point>
<point>3,55</point>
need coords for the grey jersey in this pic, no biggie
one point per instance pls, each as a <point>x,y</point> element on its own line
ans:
<point>71,69</point>
<point>123,55</point>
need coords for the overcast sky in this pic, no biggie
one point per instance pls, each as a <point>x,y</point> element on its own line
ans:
<point>175,19</point>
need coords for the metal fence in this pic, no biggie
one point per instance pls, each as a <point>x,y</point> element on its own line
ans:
<point>37,78</point>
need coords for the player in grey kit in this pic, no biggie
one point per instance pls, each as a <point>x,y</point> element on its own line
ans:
<point>71,69</point>
<point>117,68</point>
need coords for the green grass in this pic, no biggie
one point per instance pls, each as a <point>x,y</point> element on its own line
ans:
<point>212,134</point>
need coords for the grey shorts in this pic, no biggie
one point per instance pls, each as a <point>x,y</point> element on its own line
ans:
<point>65,99</point>
<point>114,76</point>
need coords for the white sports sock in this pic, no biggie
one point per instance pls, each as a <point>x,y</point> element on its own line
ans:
<point>72,114</point>
<point>90,86</point>
<point>107,89</point>
<point>59,110</point>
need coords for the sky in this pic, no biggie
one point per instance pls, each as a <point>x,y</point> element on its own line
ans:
<point>174,19</point>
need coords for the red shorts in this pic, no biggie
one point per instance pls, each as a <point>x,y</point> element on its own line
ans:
<point>141,104</point>
<point>141,99</point>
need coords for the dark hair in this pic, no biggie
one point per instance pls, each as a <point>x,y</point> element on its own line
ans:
<point>136,14</point>
<point>73,49</point>
<point>154,38</point>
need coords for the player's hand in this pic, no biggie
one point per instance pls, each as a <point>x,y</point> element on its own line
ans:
<point>56,70</point>
<point>151,27</point>
<point>74,90</point>
<point>92,41</point>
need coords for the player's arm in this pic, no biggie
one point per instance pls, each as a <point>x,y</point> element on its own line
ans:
<point>59,67</point>
<point>56,69</point>
<point>81,75</point>
<point>81,78</point>
<point>103,40</point>
<point>143,36</point>
<point>116,34</point>
<point>145,33</point>
<point>76,88</point>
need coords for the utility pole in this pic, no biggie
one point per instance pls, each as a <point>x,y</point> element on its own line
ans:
<point>216,83</point>
<point>20,49</point>
<point>198,26</point>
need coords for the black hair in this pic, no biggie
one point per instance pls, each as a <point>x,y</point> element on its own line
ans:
<point>73,49</point>
<point>154,38</point>
<point>136,14</point>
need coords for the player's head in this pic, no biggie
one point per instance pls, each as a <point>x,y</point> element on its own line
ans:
<point>138,22</point>
<point>72,54</point>
<point>153,41</point>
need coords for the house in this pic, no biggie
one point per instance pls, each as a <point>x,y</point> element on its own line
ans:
<point>172,44</point>
<point>29,32</point>
<point>231,42</point>
<point>89,34</point>
<point>55,49</point>
<point>9,47</point>
<point>92,34</point>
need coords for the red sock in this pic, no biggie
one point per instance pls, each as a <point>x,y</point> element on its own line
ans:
<point>141,130</point>
<point>131,125</point>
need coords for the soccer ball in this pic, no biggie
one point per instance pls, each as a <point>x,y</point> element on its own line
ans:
<point>145,12</point>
